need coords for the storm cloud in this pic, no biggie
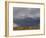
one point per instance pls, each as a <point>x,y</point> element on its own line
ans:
<point>21,13</point>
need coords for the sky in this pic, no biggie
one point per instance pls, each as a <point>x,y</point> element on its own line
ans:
<point>21,13</point>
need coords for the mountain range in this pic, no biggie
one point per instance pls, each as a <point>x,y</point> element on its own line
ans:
<point>27,21</point>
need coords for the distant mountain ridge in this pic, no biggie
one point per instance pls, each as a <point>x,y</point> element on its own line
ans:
<point>27,21</point>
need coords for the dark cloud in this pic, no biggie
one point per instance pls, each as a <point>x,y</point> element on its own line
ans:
<point>19,12</point>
